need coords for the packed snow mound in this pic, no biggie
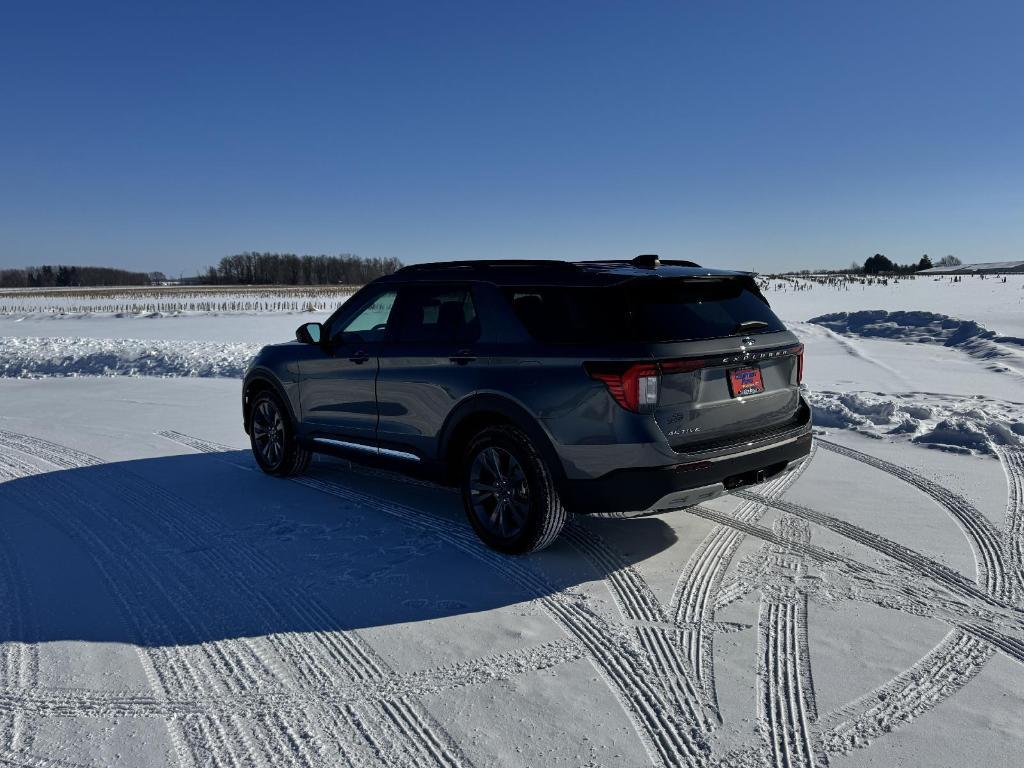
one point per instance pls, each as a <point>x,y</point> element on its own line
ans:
<point>34,357</point>
<point>928,328</point>
<point>974,425</point>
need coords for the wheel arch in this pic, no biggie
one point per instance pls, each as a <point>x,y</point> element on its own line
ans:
<point>259,381</point>
<point>484,410</point>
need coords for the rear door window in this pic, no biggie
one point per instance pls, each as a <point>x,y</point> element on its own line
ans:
<point>437,315</point>
<point>569,315</point>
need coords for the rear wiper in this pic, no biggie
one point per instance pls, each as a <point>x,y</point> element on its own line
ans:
<point>750,325</point>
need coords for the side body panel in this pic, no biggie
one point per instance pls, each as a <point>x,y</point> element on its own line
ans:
<point>417,388</point>
<point>337,392</point>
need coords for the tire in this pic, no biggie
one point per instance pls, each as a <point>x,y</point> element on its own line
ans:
<point>521,512</point>
<point>283,456</point>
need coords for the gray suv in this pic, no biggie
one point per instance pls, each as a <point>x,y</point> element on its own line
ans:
<point>542,388</point>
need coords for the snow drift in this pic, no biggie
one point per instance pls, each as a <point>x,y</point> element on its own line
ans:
<point>34,357</point>
<point>927,328</point>
<point>956,425</point>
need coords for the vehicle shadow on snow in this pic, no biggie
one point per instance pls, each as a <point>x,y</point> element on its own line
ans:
<point>203,547</point>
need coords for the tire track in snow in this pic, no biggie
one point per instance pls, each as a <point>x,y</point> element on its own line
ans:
<point>637,603</point>
<point>28,760</point>
<point>19,656</point>
<point>852,349</point>
<point>947,668</point>
<point>960,655</point>
<point>65,702</point>
<point>404,717</point>
<point>880,587</point>
<point>172,667</point>
<point>980,532</point>
<point>956,659</point>
<point>58,455</point>
<point>699,585</point>
<point>1012,460</point>
<point>731,591</point>
<point>96,547</point>
<point>667,737</point>
<point>785,688</point>
<point>401,728</point>
<point>930,681</point>
<point>399,732</point>
<point>937,572</point>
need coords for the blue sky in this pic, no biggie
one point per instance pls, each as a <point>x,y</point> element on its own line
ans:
<point>753,135</point>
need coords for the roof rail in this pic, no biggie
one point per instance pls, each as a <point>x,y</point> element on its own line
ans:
<point>489,264</point>
<point>645,261</point>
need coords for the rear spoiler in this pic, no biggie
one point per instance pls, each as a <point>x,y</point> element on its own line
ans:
<point>746,278</point>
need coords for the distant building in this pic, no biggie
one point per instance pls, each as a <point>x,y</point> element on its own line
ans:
<point>984,268</point>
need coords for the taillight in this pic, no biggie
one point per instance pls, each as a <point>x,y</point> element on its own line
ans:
<point>634,387</point>
<point>800,364</point>
<point>682,366</point>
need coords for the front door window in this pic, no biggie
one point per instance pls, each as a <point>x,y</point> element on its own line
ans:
<point>370,324</point>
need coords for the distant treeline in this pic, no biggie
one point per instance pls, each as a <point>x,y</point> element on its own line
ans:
<point>240,269</point>
<point>290,269</point>
<point>62,276</point>
<point>880,264</point>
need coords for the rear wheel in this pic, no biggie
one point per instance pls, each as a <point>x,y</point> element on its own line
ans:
<point>273,439</point>
<point>508,492</point>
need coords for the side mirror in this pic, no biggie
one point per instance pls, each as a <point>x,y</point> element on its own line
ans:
<point>309,333</point>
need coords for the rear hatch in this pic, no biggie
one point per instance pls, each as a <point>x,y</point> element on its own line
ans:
<point>704,354</point>
<point>729,369</point>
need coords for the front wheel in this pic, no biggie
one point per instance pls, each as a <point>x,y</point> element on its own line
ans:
<point>508,492</point>
<point>273,439</point>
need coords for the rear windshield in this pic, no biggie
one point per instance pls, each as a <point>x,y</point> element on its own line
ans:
<point>644,311</point>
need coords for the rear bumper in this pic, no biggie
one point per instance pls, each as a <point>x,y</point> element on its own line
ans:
<point>655,489</point>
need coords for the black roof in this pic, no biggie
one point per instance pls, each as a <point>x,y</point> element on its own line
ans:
<point>552,272</point>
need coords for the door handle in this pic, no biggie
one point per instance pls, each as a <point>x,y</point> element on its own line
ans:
<point>462,357</point>
<point>359,357</point>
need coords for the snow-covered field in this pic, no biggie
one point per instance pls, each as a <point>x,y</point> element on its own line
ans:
<point>168,604</point>
<point>169,300</point>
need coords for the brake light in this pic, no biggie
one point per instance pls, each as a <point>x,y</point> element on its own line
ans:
<point>634,387</point>
<point>682,366</point>
<point>800,364</point>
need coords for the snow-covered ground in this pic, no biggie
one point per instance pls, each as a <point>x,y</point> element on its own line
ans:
<point>932,362</point>
<point>994,304</point>
<point>168,604</point>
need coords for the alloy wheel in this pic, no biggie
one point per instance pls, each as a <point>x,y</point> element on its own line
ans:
<point>268,432</point>
<point>499,492</point>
